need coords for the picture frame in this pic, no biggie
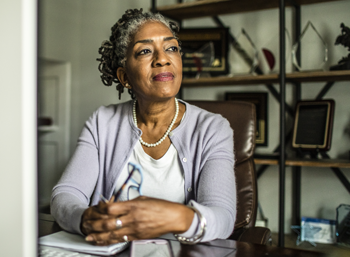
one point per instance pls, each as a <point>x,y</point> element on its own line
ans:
<point>260,100</point>
<point>313,125</point>
<point>193,40</point>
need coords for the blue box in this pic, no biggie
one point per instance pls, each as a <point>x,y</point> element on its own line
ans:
<point>318,230</point>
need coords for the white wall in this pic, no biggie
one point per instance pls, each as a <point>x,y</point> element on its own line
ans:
<point>18,188</point>
<point>72,31</point>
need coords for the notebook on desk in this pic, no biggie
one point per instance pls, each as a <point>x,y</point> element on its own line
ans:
<point>77,243</point>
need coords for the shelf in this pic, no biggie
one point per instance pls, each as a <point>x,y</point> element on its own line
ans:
<point>234,80</point>
<point>333,250</point>
<point>47,128</point>
<point>311,76</point>
<point>197,9</point>
<point>324,163</point>
<point>318,76</point>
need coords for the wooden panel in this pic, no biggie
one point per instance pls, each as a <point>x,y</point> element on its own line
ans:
<point>265,162</point>
<point>333,250</point>
<point>235,80</point>
<point>329,163</point>
<point>315,76</point>
<point>318,76</point>
<point>205,8</point>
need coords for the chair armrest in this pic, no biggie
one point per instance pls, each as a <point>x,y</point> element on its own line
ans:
<point>256,235</point>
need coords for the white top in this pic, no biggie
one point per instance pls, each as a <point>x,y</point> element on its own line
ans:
<point>162,178</point>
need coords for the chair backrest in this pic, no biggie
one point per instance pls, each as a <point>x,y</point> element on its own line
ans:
<point>242,117</point>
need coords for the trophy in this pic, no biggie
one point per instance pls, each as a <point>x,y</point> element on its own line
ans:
<point>313,45</point>
<point>245,55</point>
<point>268,51</point>
<point>204,57</point>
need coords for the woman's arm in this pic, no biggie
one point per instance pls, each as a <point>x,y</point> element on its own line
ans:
<point>71,196</point>
<point>216,192</point>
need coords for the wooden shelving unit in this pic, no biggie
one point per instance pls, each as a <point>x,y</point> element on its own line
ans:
<point>312,76</point>
<point>211,8</point>
<point>206,8</point>
<point>324,163</point>
<point>332,250</point>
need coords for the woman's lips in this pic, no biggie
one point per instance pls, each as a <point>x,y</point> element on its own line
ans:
<point>164,76</point>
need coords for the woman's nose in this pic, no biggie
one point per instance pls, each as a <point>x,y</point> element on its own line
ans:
<point>160,59</point>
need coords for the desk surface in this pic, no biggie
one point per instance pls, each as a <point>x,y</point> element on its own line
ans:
<point>217,248</point>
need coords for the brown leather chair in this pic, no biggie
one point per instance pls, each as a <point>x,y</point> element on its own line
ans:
<point>242,118</point>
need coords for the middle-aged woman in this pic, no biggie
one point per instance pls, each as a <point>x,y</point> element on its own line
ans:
<point>186,153</point>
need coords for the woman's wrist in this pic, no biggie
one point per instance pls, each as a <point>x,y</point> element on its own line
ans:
<point>182,222</point>
<point>197,236</point>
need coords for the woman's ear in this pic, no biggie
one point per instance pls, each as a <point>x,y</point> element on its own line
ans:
<point>122,77</point>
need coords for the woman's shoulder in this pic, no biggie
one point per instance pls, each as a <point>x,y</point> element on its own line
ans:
<point>111,110</point>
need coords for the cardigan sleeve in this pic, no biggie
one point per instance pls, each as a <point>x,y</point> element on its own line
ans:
<point>216,193</point>
<point>71,196</point>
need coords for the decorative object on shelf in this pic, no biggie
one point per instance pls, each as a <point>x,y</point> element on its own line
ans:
<point>270,49</point>
<point>246,45</point>
<point>312,44</point>
<point>260,101</point>
<point>313,126</point>
<point>270,58</point>
<point>343,225</point>
<point>318,230</point>
<point>204,58</point>
<point>314,231</point>
<point>344,40</point>
<point>197,47</point>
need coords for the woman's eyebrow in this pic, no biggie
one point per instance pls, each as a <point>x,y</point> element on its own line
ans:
<point>151,40</point>
<point>143,41</point>
<point>169,38</point>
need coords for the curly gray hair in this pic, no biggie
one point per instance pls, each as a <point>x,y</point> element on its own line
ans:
<point>113,51</point>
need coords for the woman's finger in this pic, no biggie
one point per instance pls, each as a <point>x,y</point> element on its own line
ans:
<point>114,208</point>
<point>103,225</point>
<point>89,216</point>
<point>112,237</point>
<point>93,213</point>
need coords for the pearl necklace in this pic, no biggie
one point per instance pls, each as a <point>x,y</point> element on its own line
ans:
<point>166,133</point>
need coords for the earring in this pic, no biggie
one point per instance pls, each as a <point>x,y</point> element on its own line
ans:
<point>127,85</point>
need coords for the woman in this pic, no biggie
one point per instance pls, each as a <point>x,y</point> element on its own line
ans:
<point>186,153</point>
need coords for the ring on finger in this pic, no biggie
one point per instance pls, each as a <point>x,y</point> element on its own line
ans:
<point>125,237</point>
<point>118,223</point>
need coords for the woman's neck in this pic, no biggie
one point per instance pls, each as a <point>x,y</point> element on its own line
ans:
<point>153,114</point>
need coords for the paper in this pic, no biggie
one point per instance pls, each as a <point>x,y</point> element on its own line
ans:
<point>77,243</point>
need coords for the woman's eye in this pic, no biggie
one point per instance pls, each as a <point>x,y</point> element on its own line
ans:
<point>144,51</point>
<point>173,49</point>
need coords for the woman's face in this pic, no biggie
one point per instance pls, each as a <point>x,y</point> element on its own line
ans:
<point>153,65</point>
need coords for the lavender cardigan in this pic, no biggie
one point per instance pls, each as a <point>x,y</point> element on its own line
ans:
<point>204,142</point>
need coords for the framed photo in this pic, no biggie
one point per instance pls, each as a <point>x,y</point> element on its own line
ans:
<point>313,125</point>
<point>204,50</point>
<point>260,101</point>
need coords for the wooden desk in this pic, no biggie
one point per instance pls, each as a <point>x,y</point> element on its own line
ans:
<point>216,248</point>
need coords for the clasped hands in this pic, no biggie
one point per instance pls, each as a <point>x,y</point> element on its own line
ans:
<point>141,218</point>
